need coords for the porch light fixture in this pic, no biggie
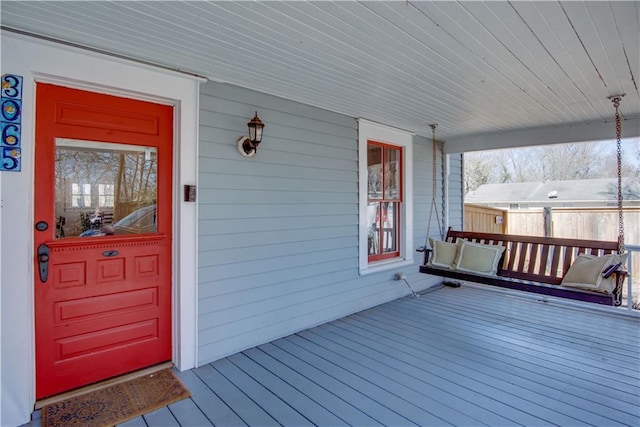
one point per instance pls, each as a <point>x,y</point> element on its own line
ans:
<point>248,145</point>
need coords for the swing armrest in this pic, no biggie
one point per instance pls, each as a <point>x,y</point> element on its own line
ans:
<point>427,253</point>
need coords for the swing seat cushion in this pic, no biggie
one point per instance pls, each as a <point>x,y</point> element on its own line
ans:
<point>443,254</point>
<point>478,257</point>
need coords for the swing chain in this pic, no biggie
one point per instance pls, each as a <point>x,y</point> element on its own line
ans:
<point>434,189</point>
<point>616,103</point>
<point>434,149</point>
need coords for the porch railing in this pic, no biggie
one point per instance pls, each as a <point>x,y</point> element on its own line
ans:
<point>631,291</point>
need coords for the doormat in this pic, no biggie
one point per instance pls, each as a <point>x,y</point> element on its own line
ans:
<point>117,403</point>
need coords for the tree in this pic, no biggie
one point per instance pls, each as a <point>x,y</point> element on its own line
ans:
<point>573,161</point>
<point>477,170</point>
<point>550,163</point>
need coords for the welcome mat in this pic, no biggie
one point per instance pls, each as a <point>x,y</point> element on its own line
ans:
<point>116,403</point>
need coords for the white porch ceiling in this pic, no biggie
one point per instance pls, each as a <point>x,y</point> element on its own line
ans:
<point>487,72</point>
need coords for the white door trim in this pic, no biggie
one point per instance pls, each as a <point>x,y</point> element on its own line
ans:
<point>40,61</point>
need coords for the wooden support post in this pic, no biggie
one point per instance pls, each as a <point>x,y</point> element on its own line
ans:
<point>548,224</point>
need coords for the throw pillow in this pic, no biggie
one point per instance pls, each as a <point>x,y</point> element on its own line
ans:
<point>586,273</point>
<point>443,254</point>
<point>478,258</point>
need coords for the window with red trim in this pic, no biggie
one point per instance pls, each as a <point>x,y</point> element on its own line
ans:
<point>384,200</point>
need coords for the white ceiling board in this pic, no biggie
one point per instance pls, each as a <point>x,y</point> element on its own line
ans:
<point>494,36</point>
<point>472,39</point>
<point>414,77</point>
<point>475,68</point>
<point>527,48</point>
<point>546,20</point>
<point>591,36</point>
<point>458,77</point>
<point>628,26</point>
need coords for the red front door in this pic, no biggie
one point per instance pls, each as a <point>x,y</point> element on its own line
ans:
<point>103,203</point>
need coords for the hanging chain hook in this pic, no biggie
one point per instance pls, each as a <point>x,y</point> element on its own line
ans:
<point>616,99</point>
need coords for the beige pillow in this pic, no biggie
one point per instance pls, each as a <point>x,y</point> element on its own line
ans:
<point>586,273</point>
<point>443,254</point>
<point>478,258</point>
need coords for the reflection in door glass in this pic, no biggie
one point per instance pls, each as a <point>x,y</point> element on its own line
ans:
<point>104,189</point>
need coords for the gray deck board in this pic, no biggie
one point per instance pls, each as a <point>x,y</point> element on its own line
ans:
<point>161,418</point>
<point>536,378</point>
<point>527,355</point>
<point>308,408</point>
<point>532,349</point>
<point>368,397</point>
<point>466,357</point>
<point>600,339</point>
<point>448,375</point>
<point>278,409</point>
<point>136,422</point>
<point>406,385</point>
<point>234,397</point>
<point>471,371</point>
<point>308,380</point>
<point>208,402</point>
<point>425,378</point>
<point>351,374</point>
<point>187,413</point>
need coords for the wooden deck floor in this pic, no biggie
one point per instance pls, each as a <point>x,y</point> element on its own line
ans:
<point>465,357</point>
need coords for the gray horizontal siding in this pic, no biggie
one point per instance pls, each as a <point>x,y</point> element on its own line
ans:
<point>278,233</point>
<point>423,184</point>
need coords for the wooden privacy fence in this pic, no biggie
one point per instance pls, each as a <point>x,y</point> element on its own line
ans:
<point>577,223</point>
<point>485,220</point>
<point>568,223</point>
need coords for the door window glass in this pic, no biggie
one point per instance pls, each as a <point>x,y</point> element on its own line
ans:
<point>104,189</point>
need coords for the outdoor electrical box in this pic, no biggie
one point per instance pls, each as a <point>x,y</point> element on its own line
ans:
<point>189,193</point>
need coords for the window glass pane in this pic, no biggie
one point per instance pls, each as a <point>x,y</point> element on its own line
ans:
<point>104,189</point>
<point>391,173</point>
<point>389,227</point>
<point>374,169</point>
<point>373,228</point>
<point>105,195</point>
<point>81,195</point>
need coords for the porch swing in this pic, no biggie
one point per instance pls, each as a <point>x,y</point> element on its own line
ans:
<point>584,270</point>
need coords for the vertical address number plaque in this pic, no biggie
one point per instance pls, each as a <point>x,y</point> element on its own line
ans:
<point>11,123</point>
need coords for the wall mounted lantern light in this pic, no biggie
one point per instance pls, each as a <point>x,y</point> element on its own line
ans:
<point>248,145</point>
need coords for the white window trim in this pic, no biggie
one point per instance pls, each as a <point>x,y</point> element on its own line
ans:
<point>368,130</point>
